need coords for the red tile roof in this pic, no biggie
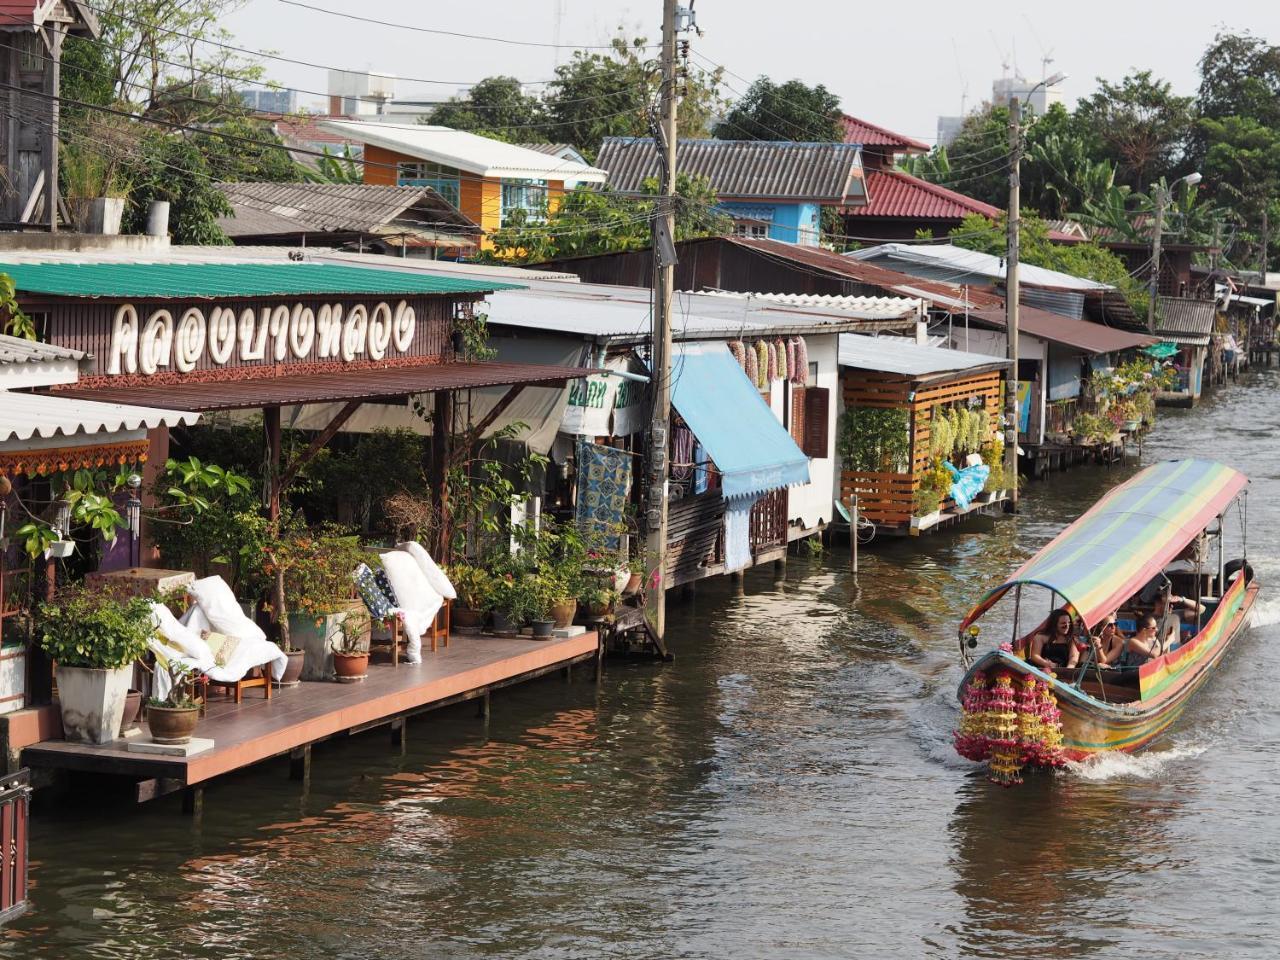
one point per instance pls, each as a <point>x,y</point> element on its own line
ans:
<point>892,193</point>
<point>871,135</point>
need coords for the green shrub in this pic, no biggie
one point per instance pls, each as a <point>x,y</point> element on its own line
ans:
<point>82,627</point>
<point>873,439</point>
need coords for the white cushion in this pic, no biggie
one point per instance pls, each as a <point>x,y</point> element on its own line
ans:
<point>412,588</point>
<point>435,576</point>
<point>180,636</point>
<point>220,608</point>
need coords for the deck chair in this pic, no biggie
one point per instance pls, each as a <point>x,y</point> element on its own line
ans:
<point>440,583</point>
<point>244,658</point>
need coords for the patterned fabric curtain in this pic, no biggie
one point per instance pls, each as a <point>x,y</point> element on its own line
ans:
<point>604,482</point>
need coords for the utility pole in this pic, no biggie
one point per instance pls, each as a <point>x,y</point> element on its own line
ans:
<point>1215,254</point>
<point>1153,283</point>
<point>1263,278</point>
<point>660,361</point>
<point>1011,303</point>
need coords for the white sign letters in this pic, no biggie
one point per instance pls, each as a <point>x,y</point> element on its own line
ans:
<point>273,334</point>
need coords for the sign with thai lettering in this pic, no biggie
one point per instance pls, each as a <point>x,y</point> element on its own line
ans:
<point>154,339</point>
<point>605,405</point>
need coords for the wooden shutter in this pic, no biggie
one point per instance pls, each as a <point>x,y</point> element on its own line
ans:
<point>817,401</point>
<point>797,416</point>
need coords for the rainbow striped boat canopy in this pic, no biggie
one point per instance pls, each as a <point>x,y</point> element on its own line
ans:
<point>1128,537</point>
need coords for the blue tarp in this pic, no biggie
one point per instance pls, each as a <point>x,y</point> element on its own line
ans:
<point>752,451</point>
<point>967,483</point>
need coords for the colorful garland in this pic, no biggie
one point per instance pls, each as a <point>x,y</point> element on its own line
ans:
<point>1009,728</point>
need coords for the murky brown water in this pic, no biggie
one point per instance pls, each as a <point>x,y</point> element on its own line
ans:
<point>785,789</point>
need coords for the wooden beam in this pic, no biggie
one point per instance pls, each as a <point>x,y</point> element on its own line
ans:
<point>271,429</point>
<point>318,442</point>
<point>499,408</point>
<point>53,79</point>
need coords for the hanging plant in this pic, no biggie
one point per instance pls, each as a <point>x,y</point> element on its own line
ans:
<point>791,360</point>
<point>762,364</point>
<point>749,364</point>
<point>773,361</point>
<point>941,437</point>
<point>780,350</point>
<point>802,362</point>
<point>739,352</point>
<point>872,439</point>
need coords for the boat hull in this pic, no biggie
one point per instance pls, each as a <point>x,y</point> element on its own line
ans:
<point>1091,726</point>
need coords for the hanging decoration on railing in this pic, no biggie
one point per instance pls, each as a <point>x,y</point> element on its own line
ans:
<point>800,376</point>
<point>1009,728</point>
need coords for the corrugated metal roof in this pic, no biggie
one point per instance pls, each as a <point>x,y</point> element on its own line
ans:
<point>28,415</point>
<point>958,264</point>
<point>563,150</point>
<point>363,383</point>
<point>1081,334</point>
<point>751,449</point>
<point>896,355</point>
<point>466,151</point>
<point>744,169</point>
<point>18,350</point>
<point>867,308</point>
<point>197,280</point>
<point>892,193</point>
<point>270,208</point>
<point>873,135</point>
<point>1184,320</point>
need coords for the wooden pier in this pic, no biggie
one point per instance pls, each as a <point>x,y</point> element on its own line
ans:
<point>297,717</point>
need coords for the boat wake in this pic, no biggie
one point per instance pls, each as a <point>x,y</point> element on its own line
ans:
<point>1114,765</point>
<point>1266,612</point>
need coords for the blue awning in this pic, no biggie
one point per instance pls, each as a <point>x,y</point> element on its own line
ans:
<point>752,451</point>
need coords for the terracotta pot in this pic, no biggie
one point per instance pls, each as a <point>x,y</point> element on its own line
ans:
<point>464,618</point>
<point>172,724</point>
<point>132,704</point>
<point>350,667</point>
<point>633,582</point>
<point>292,672</point>
<point>565,611</point>
<point>601,609</point>
<point>542,629</point>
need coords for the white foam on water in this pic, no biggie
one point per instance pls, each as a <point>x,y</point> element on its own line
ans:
<point>1266,612</point>
<point>1114,765</point>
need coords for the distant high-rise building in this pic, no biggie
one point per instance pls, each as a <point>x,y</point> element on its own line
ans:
<point>359,93</point>
<point>270,101</point>
<point>1038,96</point>
<point>948,129</point>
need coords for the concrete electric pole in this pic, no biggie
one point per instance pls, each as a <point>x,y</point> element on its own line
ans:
<point>660,360</point>
<point>1011,302</point>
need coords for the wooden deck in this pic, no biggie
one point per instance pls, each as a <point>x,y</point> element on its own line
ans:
<point>295,717</point>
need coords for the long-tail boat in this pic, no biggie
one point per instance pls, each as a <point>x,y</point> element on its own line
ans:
<point>1161,530</point>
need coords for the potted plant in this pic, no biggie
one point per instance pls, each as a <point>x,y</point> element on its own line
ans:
<point>315,591</point>
<point>511,602</point>
<point>173,717</point>
<point>545,591</point>
<point>475,595</point>
<point>351,648</point>
<point>93,638</point>
<point>600,601</point>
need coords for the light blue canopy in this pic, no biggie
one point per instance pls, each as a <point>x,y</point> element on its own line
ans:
<point>752,451</point>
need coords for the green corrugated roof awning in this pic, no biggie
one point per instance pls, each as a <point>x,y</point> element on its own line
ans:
<point>208,280</point>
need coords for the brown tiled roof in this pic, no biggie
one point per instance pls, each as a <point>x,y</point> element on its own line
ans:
<point>1081,334</point>
<point>873,135</point>
<point>893,193</point>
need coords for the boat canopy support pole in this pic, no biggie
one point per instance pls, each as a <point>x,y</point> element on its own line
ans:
<point>1017,608</point>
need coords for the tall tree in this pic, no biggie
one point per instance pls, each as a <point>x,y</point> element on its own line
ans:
<point>495,107</point>
<point>1139,125</point>
<point>789,111</point>
<point>615,94</point>
<point>977,161</point>
<point>1240,76</point>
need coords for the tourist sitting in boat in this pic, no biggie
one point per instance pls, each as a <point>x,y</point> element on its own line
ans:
<point>1052,647</point>
<point>1108,643</point>
<point>1122,651</point>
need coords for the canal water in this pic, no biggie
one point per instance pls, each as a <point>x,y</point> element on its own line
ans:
<point>785,789</point>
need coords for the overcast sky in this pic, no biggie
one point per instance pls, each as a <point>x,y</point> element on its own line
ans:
<point>898,64</point>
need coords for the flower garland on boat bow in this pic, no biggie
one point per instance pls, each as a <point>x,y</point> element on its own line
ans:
<point>1009,728</point>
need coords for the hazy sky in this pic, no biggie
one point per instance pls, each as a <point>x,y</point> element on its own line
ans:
<point>899,64</point>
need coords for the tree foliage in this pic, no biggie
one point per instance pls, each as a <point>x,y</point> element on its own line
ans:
<point>175,168</point>
<point>495,107</point>
<point>1138,125</point>
<point>787,111</point>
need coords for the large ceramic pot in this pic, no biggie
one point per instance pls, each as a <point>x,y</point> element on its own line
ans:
<point>350,667</point>
<point>503,623</point>
<point>464,618</point>
<point>92,702</point>
<point>172,724</point>
<point>314,635</point>
<point>293,670</point>
<point>565,611</point>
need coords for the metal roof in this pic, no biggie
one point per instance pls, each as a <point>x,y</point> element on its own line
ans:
<point>28,415</point>
<point>872,135</point>
<point>468,152</point>
<point>896,355</point>
<point>275,208</point>
<point>868,308</point>
<point>744,169</point>
<point>18,350</point>
<point>198,280</point>
<point>892,193</point>
<point>1080,334</point>
<point>566,151</point>
<point>361,383</point>
<point>956,264</point>
<point>1184,320</point>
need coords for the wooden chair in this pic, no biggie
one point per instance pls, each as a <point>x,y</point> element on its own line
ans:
<point>441,624</point>
<point>256,677</point>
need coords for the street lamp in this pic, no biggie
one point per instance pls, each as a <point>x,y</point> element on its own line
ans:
<point>1012,289</point>
<point>1163,196</point>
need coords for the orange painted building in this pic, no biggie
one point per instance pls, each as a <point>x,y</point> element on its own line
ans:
<point>487,180</point>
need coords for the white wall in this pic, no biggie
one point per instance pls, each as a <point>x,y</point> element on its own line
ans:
<point>810,505</point>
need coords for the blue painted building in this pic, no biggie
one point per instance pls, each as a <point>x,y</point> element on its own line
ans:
<point>771,189</point>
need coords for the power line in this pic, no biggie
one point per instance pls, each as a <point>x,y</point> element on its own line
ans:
<point>452,33</point>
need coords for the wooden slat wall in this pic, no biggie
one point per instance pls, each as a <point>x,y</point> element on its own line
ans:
<point>887,498</point>
<point>693,526</point>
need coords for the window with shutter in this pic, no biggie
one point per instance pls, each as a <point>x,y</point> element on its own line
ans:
<point>816,405</point>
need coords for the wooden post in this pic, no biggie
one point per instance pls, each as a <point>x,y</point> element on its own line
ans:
<point>853,531</point>
<point>53,71</point>
<point>398,729</point>
<point>193,801</point>
<point>441,427</point>
<point>482,708</point>
<point>271,429</point>
<point>300,764</point>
